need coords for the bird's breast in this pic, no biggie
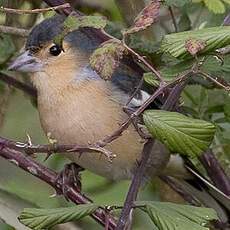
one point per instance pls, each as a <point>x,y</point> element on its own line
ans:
<point>86,114</point>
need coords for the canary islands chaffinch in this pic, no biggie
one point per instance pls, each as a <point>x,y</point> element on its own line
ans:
<point>77,106</point>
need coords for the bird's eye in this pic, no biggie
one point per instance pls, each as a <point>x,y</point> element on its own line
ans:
<point>55,50</point>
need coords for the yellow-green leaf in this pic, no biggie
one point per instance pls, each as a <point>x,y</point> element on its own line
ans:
<point>72,23</point>
<point>150,79</point>
<point>216,6</point>
<point>213,38</point>
<point>169,216</point>
<point>38,219</point>
<point>181,134</point>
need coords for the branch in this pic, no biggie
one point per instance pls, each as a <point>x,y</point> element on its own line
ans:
<point>18,84</point>
<point>55,3</point>
<point>14,31</point>
<point>135,184</point>
<point>215,171</point>
<point>117,133</point>
<point>139,172</point>
<point>177,187</point>
<point>34,11</point>
<point>55,148</point>
<point>50,177</point>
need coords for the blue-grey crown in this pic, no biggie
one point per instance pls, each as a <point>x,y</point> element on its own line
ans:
<point>48,29</point>
<point>45,32</point>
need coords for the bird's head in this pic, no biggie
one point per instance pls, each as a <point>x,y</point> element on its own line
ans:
<point>42,57</point>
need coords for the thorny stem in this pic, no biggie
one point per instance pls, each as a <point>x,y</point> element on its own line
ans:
<point>117,133</point>
<point>34,11</point>
<point>139,172</point>
<point>135,184</point>
<point>55,148</point>
<point>138,175</point>
<point>50,177</point>
<point>177,187</point>
<point>215,171</point>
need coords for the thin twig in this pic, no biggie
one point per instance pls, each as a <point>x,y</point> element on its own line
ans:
<point>14,31</point>
<point>138,56</point>
<point>50,177</point>
<point>127,122</point>
<point>66,11</point>
<point>214,80</point>
<point>34,11</point>
<point>117,133</point>
<point>173,18</point>
<point>146,63</point>
<point>18,84</point>
<point>135,91</point>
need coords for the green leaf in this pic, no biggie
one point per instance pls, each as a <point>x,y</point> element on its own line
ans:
<point>177,3</point>
<point>181,134</point>
<point>143,45</point>
<point>227,110</point>
<point>227,1</point>
<point>170,72</point>
<point>73,23</point>
<point>105,59</point>
<point>214,38</point>
<point>169,216</point>
<point>150,79</point>
<point>46,218</point>
<point>216,6</point>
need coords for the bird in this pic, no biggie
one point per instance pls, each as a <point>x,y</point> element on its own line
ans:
<point>76,105</point>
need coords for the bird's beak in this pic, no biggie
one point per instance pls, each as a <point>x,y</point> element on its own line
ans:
<point>26,62</point>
